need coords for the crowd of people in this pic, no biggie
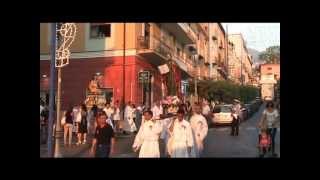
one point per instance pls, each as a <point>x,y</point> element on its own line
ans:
<point>182,127</point>
<point>182,135</point>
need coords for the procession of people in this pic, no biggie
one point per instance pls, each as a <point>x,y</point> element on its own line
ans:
<point>179,128</point>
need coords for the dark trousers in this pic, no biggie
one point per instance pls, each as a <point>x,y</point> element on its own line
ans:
<point>272,132</point>
<point>103,151</point>
<point>235,127</point>
<point>43,134</point>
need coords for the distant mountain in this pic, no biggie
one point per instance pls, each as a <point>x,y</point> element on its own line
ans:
<point>255,55</point>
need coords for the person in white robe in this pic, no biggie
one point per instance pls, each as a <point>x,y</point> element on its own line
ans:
<point>128,124</point>
<point>147,139</point>
<point>157,110</point>
<point>199,131</point>
<point>109,111</point>
<point>181,141</point>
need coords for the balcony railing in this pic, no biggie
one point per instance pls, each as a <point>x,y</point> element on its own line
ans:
<point>188,30</point>
<point>154,44</point>
<point>158,46</point>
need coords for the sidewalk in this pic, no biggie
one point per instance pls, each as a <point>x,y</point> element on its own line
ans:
<point>123,148</point>
<point>73,151</point>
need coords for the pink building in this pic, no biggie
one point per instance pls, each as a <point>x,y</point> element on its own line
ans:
<point>269,69</point>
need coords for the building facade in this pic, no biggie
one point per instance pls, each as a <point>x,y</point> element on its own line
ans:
<point>243,60</point>
<point>270,69</point>
<point>98,50</point>
<point>217,52</point>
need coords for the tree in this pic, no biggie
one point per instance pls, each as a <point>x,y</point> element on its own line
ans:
<point>271,55</point>
<point>224,91</point>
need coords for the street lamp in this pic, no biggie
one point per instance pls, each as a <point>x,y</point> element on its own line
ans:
<point>59,59</point>
<point>51,100</point>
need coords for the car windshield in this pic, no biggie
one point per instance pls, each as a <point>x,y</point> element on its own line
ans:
<point>225,109</point>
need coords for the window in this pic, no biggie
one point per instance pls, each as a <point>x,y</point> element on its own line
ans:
<point>100,30</point>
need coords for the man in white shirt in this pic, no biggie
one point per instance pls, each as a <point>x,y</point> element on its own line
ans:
<point>148,138</point>
<point>199,129</point>
<point>213,104</point>
<point>205,108</point>
<point>157,110</point>
<point>180,142</point>
<point>109,111</point>
<point>128,124</point>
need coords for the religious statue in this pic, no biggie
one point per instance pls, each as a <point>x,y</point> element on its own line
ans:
<point>94,86</point>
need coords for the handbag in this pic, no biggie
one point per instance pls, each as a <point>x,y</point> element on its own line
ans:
<point>63,120</point>
<point>78,117</point>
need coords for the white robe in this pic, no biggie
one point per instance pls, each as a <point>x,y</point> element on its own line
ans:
<point>128,124</point>
<point>109,111</point>
<point>181,139</point>
<point>116,115</point>
<point>148,139</point>
<point>199,130</point>
<point>164,134</point>
<point>157,111</point>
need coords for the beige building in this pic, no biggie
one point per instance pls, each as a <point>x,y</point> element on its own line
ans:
<point>243,60</point>
<point>233,64</point>
<point>217,52</point>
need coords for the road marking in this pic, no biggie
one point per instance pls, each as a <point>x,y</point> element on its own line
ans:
<point>251,128</point>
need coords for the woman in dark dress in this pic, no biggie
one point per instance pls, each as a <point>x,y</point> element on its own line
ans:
<point>83,125</point>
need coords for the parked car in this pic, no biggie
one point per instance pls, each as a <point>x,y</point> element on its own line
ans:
<point>258,100</point>
<point>255,106</point>
<point>243,113</point>
<point>268,98</point>
<point>249,109</point>
<point>222,114</point>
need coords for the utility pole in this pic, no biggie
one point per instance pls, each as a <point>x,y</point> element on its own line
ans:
<point>227,46</point>
<point>123,67</point>
<point>51,100</point>
<point>67,32</point>
<point>59,132</point>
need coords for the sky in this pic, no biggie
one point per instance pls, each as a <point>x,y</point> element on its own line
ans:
<point>258,36</point>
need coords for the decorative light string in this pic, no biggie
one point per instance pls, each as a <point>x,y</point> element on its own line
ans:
<point>67,33</point>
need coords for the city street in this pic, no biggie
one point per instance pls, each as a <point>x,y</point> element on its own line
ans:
<point>125,69</point>
<point>218,143</point>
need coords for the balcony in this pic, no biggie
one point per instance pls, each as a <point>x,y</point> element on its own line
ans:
<point>157,53</point>
<point>181,31</point>
<point>222,69</point>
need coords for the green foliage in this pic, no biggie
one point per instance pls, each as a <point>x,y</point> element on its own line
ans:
<point>271,55</point>
<point>224,91</point>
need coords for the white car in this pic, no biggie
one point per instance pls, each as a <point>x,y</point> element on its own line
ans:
<point>222,114</point>
<point>268,98</point>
